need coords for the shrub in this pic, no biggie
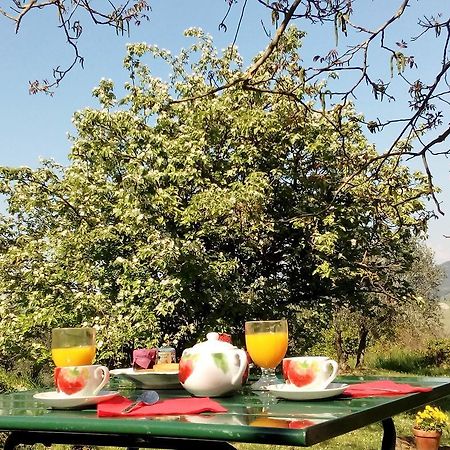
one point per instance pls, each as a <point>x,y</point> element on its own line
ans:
<point>13,382</point>
<point>437,352</point>
<point>400,360</point>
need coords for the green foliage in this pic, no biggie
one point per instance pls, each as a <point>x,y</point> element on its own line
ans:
<point>326,345</point>
<point>14,382</point>
<point>349,331</point>
<point>183,211</point>
<point>437,353</point>
<point>402,361</point>
<point>431,358</point>
<point>307,332</point>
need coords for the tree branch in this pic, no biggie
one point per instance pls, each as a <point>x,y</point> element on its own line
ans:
<point>118,17</point>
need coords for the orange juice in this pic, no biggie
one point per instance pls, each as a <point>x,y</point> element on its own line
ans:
<point>82,355</point>
<point>269,422</point>
<point>267,349</point>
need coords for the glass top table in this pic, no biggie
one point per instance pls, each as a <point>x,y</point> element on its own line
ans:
<point>251,417</point>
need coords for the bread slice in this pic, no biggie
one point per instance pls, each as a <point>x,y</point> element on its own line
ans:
<point>165,367</point>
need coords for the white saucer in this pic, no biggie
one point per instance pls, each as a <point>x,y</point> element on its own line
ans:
<point>152,380</point>
<point>291,392</point>
<point>59,400</point>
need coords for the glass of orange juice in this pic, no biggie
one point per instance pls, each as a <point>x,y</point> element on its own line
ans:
<point>73,346</point>
<point>267,342</point>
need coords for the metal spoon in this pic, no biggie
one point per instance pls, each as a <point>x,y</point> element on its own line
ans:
<point>146,398</point>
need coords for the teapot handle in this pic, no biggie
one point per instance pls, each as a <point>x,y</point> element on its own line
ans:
<point>242,366</point>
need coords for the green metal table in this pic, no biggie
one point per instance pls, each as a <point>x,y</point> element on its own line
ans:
<point>253,418</point>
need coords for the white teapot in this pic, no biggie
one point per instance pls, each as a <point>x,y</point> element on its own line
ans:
<point>212,368</point>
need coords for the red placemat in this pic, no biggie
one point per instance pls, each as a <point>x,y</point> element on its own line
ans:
<point>382,388</point>
<point>185,405</point>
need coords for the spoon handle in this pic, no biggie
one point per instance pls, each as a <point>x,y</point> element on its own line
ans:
<point>146,398</point>
<point>130,407</point>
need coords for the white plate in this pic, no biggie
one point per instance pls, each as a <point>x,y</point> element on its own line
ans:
<point>153,380</point>
<point>290,392</point>
<point>58,400</point>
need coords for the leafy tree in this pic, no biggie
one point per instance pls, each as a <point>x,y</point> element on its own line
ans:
<point>179,216</point>
<point>382,320</point>
<point>351,60</point>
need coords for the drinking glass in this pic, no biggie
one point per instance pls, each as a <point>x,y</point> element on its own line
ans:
<point>73,346</point>
<point>266,342</point>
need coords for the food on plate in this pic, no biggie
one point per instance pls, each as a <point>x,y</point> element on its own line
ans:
<point>166,367</point>
<point>160,368</point>
<point>166,355</point>
<point>154,360</point>
<point>144,358</point>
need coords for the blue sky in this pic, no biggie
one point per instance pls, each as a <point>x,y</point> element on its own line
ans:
<point>36,126</point>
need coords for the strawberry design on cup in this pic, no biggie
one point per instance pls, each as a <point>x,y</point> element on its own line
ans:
<point>299,374</point>
<point>309,372</point>
<point>80,381</point>
<point>71,380</point>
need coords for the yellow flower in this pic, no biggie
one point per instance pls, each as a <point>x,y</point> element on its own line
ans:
<point>431,418</point>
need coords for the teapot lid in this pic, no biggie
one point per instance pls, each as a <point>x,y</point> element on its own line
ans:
<point>213,343</point>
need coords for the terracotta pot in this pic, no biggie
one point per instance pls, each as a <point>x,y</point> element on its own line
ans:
<point>427,440</point>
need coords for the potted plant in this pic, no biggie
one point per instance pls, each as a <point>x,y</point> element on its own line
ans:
<point>428,426</point>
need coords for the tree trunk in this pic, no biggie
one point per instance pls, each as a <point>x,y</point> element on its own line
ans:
<point>341,356</point>
<point>362,345</point>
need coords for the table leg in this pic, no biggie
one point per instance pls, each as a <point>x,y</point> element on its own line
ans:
<point>389,435</point>
<point>11,441</point>
<point>104,440</point>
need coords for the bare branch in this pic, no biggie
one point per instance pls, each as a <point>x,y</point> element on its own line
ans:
<point>273,43</point>
<point>118,17</point>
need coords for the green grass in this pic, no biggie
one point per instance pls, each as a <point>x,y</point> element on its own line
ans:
<point>401,361</point>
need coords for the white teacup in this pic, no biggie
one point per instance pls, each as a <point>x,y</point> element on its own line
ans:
<point>310,372</point>
<point>81,381</point>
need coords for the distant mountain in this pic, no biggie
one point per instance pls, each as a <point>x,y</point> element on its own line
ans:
<point>444,288</point>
